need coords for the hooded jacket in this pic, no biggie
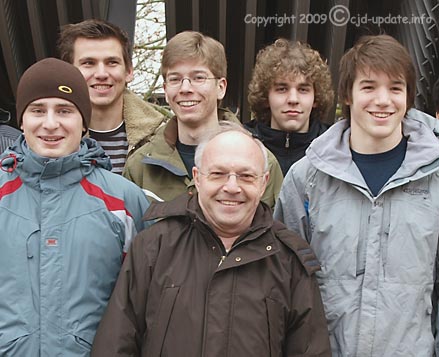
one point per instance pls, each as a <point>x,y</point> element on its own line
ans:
<point>141,120</point>
<point>378,254</point>
<point>65,225</point>
<point>158,168</point>
<point>287,147</point>
<point>180,294</point>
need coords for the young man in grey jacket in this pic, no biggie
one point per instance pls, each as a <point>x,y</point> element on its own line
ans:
<point>366,197</point>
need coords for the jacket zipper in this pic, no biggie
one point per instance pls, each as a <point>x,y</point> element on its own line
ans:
<point>287,141</point>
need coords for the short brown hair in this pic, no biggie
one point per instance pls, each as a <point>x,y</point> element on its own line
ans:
<point>92,29</point>
<point>380,53</point>
<point>193,45</point>
<point>286,58</point>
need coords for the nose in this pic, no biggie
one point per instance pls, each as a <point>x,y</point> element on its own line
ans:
<point>185,85</point>
<point>231,184</point>
<point>292,96</point>
<point>101,71</point>
<point>382,97</point>
<point>51,121</point>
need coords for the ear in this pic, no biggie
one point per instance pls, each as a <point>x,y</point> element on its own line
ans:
<point>129,75</point>
<point>196,177</point>
<point>222,86</point>
<point>264,184</point>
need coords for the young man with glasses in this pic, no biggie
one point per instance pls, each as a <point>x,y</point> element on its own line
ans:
<point>194,69</point>
<point>216,276</point>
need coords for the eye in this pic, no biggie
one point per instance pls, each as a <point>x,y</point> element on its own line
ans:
<point>199,78</point>
<point>280,89</point>
<point>173,80</point>
<point>247,177</point>
<point>216,175</point>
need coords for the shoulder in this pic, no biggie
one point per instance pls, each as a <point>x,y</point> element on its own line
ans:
<point>301,249</point>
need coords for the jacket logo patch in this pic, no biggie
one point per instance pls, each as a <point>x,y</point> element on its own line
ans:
<point>52,242</point>
<point>415,191</point>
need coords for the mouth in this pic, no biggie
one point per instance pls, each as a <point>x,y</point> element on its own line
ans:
<point>229,203</point>
<point>101,87</point>
<point>51,139</point>
<point>292,112</point>
<point>380,115</point>
<point>188,103</point>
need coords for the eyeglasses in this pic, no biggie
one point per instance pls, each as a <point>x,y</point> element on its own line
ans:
<point>223,177</point>
<point>195,80</point>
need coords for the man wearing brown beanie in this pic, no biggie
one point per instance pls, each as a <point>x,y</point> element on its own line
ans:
<point>66,220</point>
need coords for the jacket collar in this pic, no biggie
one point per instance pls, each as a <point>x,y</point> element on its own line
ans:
<point>63,171</point>
<point>331,153</point>
<point>187,205</point>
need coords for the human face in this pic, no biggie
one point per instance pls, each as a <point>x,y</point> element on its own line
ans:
<point>52,127</point>
<point>229,208</point>
<point>378,106</point>
<point>291,101</point>
<point>194,105</point>
<point>103,67</point>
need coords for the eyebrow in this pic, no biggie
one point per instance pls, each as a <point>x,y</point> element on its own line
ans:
<point>395,81</point>
<point>299,84</point>
<point>58,105</point>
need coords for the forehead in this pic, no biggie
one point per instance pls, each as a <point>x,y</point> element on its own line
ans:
<point>53,101</point>
<point>233,150</point>
<point>292,79</point>
<point>188,66</point>
<point>97,48</point>
<point>368,74</point>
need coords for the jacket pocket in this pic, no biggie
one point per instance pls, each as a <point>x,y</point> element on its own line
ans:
<point>158,331</point>
<point>274,320</point>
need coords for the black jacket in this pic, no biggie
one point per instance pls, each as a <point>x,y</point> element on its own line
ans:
<point>180,294</point>
<point>287,147</point>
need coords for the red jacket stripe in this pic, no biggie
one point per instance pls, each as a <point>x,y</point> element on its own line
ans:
<point>10,187</point>
<point>112,203</point>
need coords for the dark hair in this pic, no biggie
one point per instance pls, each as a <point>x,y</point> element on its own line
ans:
<point>381,53</point>
<point>284,58</point>
<point>92,29</point>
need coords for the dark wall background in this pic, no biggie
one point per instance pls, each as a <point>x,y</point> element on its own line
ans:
<point>29,29</point>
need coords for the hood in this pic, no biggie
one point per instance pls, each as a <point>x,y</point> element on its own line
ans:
<point>331,153</point>
<point>141,118</point>
<point>32,167</point>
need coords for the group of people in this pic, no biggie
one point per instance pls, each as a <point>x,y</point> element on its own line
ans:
<point>280,237</point>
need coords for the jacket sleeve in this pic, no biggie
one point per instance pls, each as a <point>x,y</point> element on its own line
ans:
<point>275,182</point>
<point>307,333</point>
<point>291,206</point>
<point>121,331</point>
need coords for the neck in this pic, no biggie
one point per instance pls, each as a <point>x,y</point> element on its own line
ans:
<point>371,145</point>
<point>190,135</point>
<point>228,242</point>
<point>107,117</point>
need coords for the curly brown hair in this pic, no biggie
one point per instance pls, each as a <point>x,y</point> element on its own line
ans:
<point>285,58</point>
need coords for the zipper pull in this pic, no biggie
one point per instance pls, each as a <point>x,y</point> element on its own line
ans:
<point>287,141</point>
<point>221,260</point>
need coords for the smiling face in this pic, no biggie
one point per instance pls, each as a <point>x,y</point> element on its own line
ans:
<point>52,127</point>
<point>194,105</point>
<point>378,106</point>
<point>230,207</point>
<point>291,101</point>
<point>103,67</point>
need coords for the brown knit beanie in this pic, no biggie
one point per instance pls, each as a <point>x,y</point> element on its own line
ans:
<point>53,78</point>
